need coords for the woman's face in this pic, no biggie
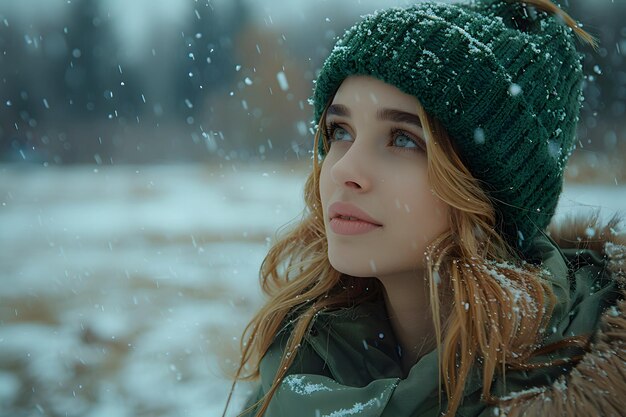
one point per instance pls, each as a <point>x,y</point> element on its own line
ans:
<point>377,163</point>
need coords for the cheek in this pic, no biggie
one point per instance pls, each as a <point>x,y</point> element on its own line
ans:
<point>430,216</point>
<point>439,216</point>
<point>325,186</point>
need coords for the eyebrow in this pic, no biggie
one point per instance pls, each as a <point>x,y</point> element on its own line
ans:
<point>382,114</point>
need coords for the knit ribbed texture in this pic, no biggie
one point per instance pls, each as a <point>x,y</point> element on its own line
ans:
<point>504,80</point>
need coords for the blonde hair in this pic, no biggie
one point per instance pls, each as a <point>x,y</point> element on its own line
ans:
<point>500,304</point>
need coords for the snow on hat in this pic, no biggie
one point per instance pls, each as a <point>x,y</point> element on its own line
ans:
<point>504,79</point>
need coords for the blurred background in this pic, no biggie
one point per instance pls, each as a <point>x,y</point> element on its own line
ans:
<point>149,153</point>
<point>111,82</point>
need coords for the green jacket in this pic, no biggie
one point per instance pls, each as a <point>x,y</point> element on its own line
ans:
<point>349,364</point>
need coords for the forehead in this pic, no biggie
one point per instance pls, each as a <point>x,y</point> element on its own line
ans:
<point>365,90</point>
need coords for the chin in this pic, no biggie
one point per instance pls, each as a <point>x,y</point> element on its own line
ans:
<point>347,266</point>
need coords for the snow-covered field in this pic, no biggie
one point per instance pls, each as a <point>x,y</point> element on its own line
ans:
<point>123,290</point>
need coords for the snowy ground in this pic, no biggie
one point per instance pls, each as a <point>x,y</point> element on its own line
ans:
<point>123,290</point>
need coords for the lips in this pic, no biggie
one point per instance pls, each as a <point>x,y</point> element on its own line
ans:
<point>341,209</point>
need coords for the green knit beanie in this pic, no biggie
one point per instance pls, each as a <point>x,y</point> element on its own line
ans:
<point>504,79</point>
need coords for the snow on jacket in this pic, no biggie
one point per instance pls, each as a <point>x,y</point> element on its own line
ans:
<point>349,364</point>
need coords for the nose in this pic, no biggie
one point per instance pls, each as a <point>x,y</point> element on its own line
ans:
<point>353,169</point>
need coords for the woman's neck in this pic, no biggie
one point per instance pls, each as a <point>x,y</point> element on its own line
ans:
<point>407,302</point>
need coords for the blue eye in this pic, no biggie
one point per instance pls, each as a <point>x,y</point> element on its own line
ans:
<point>336,132</point>
<point>340,133</point>
<point>405,141</point>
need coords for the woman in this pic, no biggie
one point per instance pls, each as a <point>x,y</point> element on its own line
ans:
<point>422,279</point>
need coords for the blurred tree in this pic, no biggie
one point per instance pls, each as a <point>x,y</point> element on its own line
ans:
<point>263,114</point>
<point>22,91</point>
<point>601,132</point>
<point>205,60</point>
<point>91,61</point>
<point>95,84</point>
<point>604,108</point>
<point>97,97</point>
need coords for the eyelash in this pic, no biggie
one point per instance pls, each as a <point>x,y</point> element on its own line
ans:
<point>332,126</point>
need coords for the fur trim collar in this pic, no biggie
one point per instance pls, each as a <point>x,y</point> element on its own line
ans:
<point>596,386</point>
